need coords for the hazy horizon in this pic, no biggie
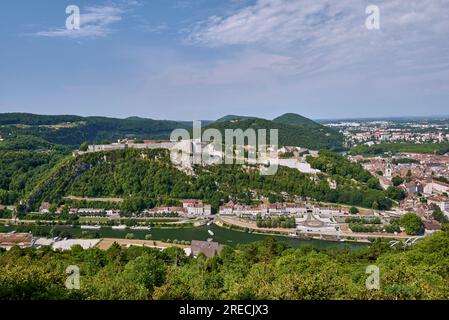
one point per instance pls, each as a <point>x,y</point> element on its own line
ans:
<point>380,117</point>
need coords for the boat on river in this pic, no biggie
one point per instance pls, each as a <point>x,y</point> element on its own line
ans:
<point>120,227</point>
<point>140,228</point>
<point>96,227</point>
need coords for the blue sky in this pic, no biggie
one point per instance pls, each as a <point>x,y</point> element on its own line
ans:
<point>202,59</point>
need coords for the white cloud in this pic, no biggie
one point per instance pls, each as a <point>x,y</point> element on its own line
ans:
<point>317,22</point>
<point>96,21</point>
<point>269,22</point>
<point>322,37</point>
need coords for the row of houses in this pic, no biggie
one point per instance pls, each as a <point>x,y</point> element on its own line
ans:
<point>190,208</point>
<point>276,209</point>
<point>195,208</point>
<point>427,187</point>
<point>22,240</point>
<point>436,186</point>
<point>45,208</point>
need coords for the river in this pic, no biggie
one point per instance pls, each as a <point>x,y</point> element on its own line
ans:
<point>221,235</point>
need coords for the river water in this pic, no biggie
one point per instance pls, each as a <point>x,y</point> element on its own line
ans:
<point>221,235</point>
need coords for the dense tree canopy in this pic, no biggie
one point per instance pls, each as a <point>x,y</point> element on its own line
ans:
<point>306,134</point>
<point>261,270</point>
<point>145,178</point>
<point>396,193</point>
<point>71,131</point>
<point>412,223</point>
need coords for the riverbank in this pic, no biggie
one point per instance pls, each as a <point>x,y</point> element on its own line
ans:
<point>290,233</point>
<point>169,223</point>
<point>248,227</point>
<point>106,243</point>
<point>222,235</point>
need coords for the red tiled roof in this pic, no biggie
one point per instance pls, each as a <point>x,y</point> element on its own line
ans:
<point>439,199</point>
<point>440,183</point>
<point>15,238</point>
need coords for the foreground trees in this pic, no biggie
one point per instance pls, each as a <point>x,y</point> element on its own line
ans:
<point>263,270</point>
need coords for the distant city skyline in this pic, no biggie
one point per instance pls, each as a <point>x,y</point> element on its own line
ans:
<point>203,59</point>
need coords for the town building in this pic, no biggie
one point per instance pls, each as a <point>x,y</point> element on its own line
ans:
<point>276,209</point>
<point>388,171</point>
<point>208,248</point>
<point>165,210</point>
<point>439,187</point>
<point>194,207</point>
<point>90,211</point>
<point>384,182</point>
<point>412,187</point>
<point>44,207</point>
<point>441,201</point>
<point>190,208</point>
<point>22,240</point>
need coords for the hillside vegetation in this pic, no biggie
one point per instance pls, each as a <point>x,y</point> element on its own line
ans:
<point>293,130</point>
<point>73,130</point>
<point>148,178</point>
<point>37,166</point>
<point>294,119</point>
<point>23,162</point>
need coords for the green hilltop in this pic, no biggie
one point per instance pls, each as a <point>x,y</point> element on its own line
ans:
<point>294,130</point>
<point>70,130</point>
<point>233,117</point>
<point>295,120</point>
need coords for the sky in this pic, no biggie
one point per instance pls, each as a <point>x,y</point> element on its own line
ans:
<point>203,59</point>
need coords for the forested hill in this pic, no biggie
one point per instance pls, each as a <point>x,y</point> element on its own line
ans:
<point>72,130</point>
<point>294,119</point>
<point>233,117</point>
<point>294,130</point>
<point>151,179</point>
